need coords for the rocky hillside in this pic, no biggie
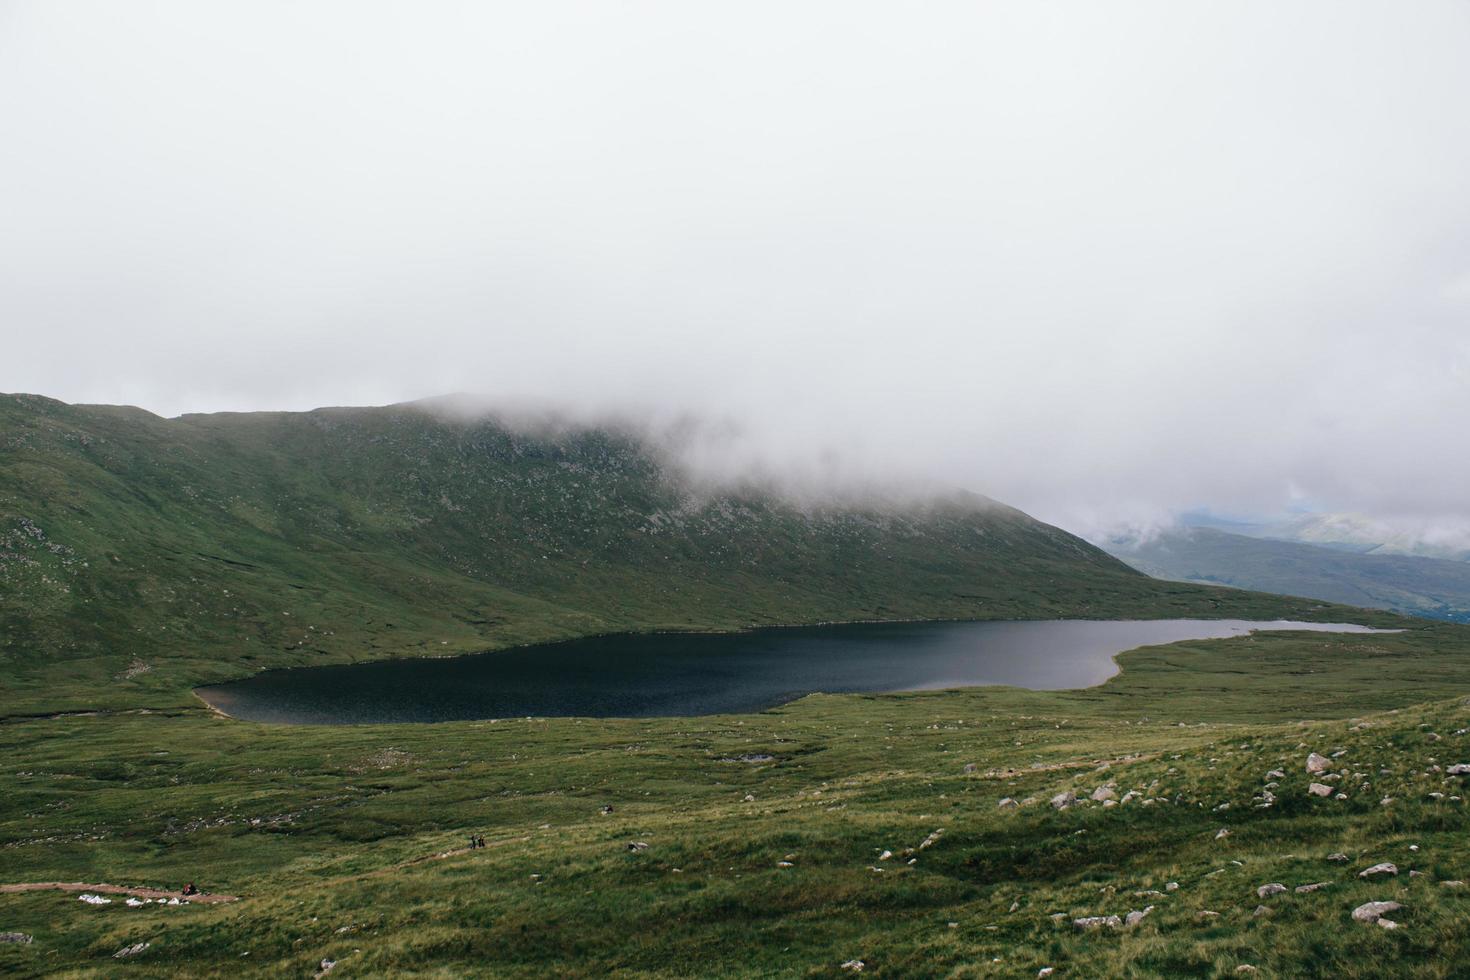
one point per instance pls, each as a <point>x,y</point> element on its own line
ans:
<point>165,552</point>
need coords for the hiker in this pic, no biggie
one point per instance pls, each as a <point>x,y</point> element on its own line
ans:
<point>473,843</point>
<point>191,889</point>
<point>479,842</point>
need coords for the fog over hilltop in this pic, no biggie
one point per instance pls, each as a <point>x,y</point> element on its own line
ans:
<point>1106,263</point>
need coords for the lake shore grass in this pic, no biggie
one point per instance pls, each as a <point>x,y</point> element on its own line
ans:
<point>331,835</point>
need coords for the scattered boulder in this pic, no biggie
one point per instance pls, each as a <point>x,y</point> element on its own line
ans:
<point>1063,800</point>
<point>325,967</point>
<point>1317,763</point>
<point>854,966</point>
<point>1222,834</point>
<point>1314,886</point>
<point>1007,804</point>
<point>971,767</point>
<point>132,950</point>
<point>1274,888</point>
<point>1097,922</point>
<point>1045,971</point>
<point>1137,915</point>
<point>1103,793</point>
<point>1172,886</point>
<point>1339,857</point>
<point>1260,911</point>
<point>19,938</point>
<point>637,845</point>
<point>1275,774</point>
<point>1385,868</point>
<point>1319,789</point>
<point>1373,911</point>
<point>1459,769</point>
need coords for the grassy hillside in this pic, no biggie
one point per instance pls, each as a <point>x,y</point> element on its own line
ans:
<point>1419,586</point>
<point>141,555</point>
<point>338,841</point>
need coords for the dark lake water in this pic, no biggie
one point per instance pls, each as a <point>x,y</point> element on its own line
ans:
<point>711,673</point>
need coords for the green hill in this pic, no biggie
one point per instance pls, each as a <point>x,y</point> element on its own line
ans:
<point>1419,586</point>
<point>141,555</point>
<point>914,833</point>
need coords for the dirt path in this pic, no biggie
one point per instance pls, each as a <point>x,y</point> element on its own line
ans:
<point>105,889</point>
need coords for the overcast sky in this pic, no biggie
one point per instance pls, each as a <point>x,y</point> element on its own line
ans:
<point>1104,261</point>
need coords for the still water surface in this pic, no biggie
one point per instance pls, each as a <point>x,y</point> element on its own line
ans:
<point>712,673</point>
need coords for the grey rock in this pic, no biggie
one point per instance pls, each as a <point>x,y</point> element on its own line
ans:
<point>15,937</point>
<point>1274,888</point>
<point>1385,868</point>
<point>1373,911</point>
<point>1063,800</point>
<point>1314,886</point>
<point>1319,789</point>
<point>1097,922</point>
<point>132,950</point>
<point>1317,763</point>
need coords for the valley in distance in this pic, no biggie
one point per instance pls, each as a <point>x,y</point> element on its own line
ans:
<point>1273,785</point>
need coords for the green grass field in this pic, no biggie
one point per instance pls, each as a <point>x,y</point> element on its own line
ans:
<point>142,556</point>
<point>323,832</point>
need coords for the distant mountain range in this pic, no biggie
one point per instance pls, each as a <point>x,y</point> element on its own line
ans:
<point>1356,533</point>
<point>1335,572</point>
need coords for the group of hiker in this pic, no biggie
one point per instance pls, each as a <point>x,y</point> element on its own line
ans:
<point>476,842</point>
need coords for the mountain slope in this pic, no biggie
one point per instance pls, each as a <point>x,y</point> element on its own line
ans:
<point>151,554</point>
<point>1419,586</point>
<point>1354,533</point>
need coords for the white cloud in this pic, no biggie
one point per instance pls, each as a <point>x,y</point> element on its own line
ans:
<point>1100,261</point>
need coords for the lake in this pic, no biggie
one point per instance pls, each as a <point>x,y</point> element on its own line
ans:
<point>674,674</point>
